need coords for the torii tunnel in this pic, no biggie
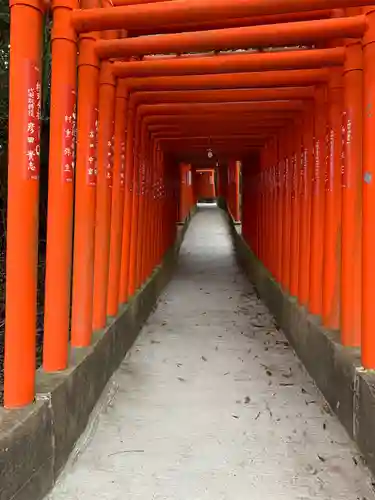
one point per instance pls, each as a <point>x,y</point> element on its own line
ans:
<point>267,106</point>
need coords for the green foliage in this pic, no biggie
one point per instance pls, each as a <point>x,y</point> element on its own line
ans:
<point>4,64</point>
<point>46,61</point>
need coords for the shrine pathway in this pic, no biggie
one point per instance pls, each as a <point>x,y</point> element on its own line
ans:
<point>211,403</point>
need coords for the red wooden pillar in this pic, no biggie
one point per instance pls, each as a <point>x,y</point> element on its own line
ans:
<point>273,212</point>
<point>103,194</point>
<point>368,218</point>
<point>23,201</point>
<point>269,201</point>
<point>118,194</point>
<point>141,206</point>
<point>297,159</point>
<point>184,191</point>
<point>223,176</point>
<point>191,188</point>
<point>132,286</point>
<point>306,178</point>
<point>318,202</point>
<point>262,205</point>
<point>85,187</point>
<point>264,211</point>
<point>279,208</point>
<point>229,189</point>
<point>332,227</point>
<point>154,207</point>
<point>128,206</point>
<point>147,215</point>
<point>287,200</point>
<point>60,188</point>
<point>245,212</point>
<point>237,173</point>
<point>161,222</point>
<point>143,170</point>
<point>351,268</point>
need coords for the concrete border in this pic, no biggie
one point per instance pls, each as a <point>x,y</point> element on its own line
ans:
<point>35,442</point>
<point>349,390</point>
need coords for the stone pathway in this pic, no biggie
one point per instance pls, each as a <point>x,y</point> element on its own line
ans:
<point>212,403</point>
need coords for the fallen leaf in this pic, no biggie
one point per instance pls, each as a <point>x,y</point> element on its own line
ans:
<point>125,451</point>
<point>282,342</point>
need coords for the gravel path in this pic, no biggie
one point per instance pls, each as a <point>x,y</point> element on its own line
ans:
<point>212,403</point>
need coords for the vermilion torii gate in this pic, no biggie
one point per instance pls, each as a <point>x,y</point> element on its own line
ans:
<point>301,122</point>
